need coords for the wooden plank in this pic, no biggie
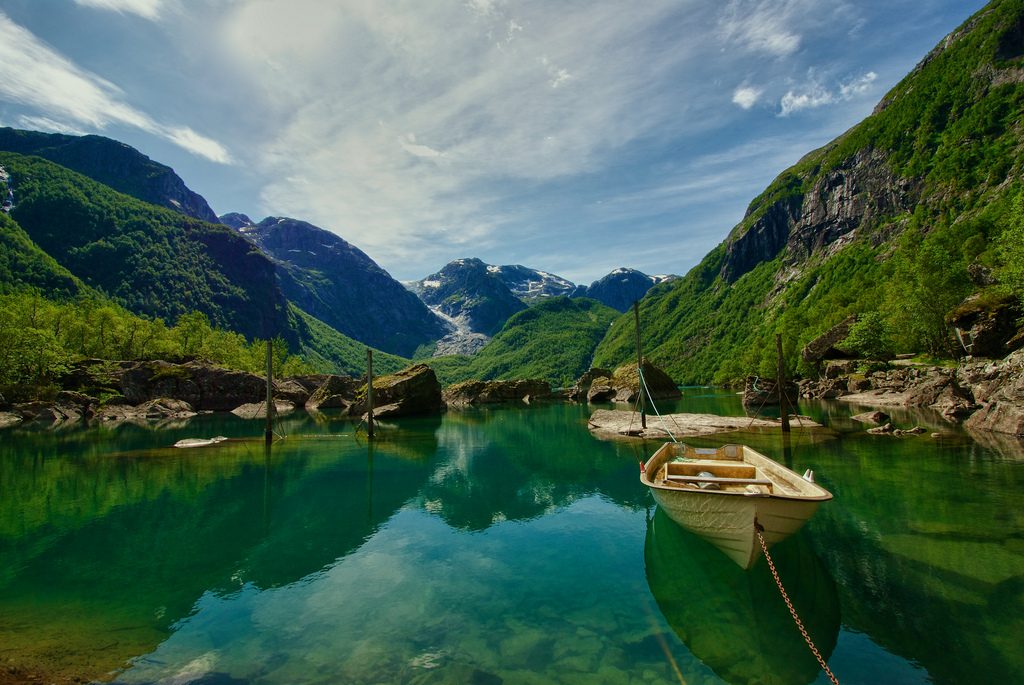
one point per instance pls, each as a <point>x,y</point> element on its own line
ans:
<point>720,479</point>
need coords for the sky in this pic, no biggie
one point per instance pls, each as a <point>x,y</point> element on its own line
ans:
<point>569,136</point>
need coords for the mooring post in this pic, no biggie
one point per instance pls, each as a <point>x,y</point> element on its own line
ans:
<point>369,392</point>
<point>268,433</point>
<point>780,383</point>
<point>640,367</point>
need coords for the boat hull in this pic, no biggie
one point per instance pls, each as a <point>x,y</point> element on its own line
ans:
<point>727,521</point>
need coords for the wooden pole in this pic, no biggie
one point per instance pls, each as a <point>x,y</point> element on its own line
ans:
<point>369,392</point>
<point>780,382</point>
<point>639,367</point>
<point>268,433</point>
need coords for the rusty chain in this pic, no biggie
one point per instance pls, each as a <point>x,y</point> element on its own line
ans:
<point>792,609</point>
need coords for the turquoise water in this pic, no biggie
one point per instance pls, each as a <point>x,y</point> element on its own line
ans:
<point>496,546</point>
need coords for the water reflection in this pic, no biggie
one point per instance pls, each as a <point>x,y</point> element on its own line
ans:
<point>734,620</point>
<point>504,464</point>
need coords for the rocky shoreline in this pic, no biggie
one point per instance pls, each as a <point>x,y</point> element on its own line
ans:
<point>985,394</point>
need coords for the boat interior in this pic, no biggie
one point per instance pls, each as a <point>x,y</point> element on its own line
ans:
<point>727,469</point>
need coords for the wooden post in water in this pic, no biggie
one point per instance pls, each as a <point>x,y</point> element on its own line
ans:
<point>369,392</point>
<point>780,382</point>
<point>268,433</point>
<point>639,367</point>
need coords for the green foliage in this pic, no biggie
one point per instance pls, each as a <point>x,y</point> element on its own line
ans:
<point>23,264</point>
<point>870,337</point>
<point>40,338</point>
<point>951,130</point>
<point>1011,249</point>
<point>553,340</point>
<point>155,262</point>
<point>328,351</point>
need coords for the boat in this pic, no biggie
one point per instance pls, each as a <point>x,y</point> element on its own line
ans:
<point>728,494</point>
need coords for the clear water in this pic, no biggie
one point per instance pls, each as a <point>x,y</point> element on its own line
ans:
<point>496,546</point>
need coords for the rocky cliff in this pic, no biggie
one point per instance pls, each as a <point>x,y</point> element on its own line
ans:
<point>339,284</point>
<point>897,218</point>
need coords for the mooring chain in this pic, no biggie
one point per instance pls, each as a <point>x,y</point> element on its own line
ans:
<point>792,609</point>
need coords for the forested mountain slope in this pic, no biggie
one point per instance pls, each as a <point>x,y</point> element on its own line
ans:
<point>899,218</point>
<point>153,261</point>
<point>114,164</point>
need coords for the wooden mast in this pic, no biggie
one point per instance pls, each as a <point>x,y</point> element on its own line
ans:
<point>640,367</point>
<point>780,382</point>
<point>268,433</point>
<point>369,392</point>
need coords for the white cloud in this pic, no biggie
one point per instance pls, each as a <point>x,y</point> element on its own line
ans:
<point>760,26</point>
<point>813,94</point>
<point>48,125</point>
<point>746,96</point>
<point>36,76</point>
<point>857,86</point>
<point>148,9</point>
<point>808,97</point>
<point>488,115</point>
<point>195,143</point>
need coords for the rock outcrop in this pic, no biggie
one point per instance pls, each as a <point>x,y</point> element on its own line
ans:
<point>414,391</point>
<point>626,382</point>
<point>494,392</point>
<point>581,388</point>
<point>203,386</point>
<point>334,392</point>
<point>1000,391</point>
<point>985,327</point>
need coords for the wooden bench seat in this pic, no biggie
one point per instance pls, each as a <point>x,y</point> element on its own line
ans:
<point>720,480</point>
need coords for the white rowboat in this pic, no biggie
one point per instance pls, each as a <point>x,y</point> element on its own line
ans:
<point>723,494</point>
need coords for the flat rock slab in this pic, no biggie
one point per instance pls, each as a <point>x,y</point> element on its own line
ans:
<point>611,423</point>
<point>877,398</point>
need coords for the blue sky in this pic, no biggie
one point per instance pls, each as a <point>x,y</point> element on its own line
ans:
<point>570,136</point>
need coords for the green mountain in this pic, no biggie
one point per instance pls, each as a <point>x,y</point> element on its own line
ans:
<point>899,218</point>
<point>114,164</point>
<point>553,340</point>
<point>153,261</point>
<point>340,285</point>
<point>24,265</point>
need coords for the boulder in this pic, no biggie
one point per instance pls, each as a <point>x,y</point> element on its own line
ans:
<point>203,386</point>
<point>985,324</point>
<point>626,382</point>
<point>942,393</point>
<point>8,419</point>
<point>161,408</point>
<point>47,412</point>
<point>258,410</point>
<point>581,388</point>
<point>1002,409</point>
<point>165,408</point>
<point>492,392</point>
<point>881,430</point>
<point>876,418</point>
<point>599,392</point>
<point>824,346</point>
<point>415,390</point>
<point>290,390</point>
<point>334,392</point>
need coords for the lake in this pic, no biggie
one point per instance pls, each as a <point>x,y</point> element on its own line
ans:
<point>496,546</point>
